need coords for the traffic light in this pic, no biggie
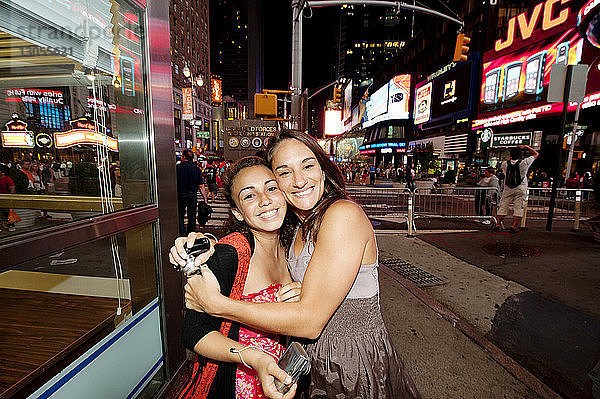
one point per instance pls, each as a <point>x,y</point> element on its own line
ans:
<point>462,48</point>
<point>337,95</point>
<point>265,105</point>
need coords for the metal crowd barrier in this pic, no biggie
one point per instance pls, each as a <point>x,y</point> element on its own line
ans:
<point>459,203</point>
<point>381,201</point>
<point>571,204</point>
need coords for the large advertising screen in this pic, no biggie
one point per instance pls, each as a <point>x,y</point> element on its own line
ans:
<point>393,97</point>
<point>445,94</point>
<point>516,73</point>
<point>523,77</point>
<point>333,122</point>
<point>378,103</point>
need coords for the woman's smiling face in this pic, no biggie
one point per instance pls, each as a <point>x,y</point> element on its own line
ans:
<point>299,174</point>
<point>258,200</point>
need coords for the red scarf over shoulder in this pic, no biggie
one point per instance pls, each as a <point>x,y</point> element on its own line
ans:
<point>202,377</point>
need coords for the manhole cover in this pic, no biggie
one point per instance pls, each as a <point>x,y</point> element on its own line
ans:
<point>511,249</point>
<point>411,272</point>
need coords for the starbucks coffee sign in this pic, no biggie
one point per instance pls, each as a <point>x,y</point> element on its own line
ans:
<point>511,139</point>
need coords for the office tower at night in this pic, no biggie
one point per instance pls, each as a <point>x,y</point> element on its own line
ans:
<point>237,60</point>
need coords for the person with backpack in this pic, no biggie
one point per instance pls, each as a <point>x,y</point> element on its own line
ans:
<point>211,179</point>
<point>515,185</point>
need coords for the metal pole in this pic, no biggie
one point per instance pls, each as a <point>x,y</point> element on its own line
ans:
<point>410,215</point>
<point>573,138</point>
<point>577,210</point>
<point>398,5</point>
<point>525,202</point>
<point>297,6</point>
<point>563,122</point>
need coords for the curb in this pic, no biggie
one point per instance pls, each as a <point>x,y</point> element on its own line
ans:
<point>508,363</point>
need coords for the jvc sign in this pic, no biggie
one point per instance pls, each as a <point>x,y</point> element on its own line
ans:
<point>546,15</point>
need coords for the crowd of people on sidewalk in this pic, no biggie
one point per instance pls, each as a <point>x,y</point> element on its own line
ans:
<point>48,176</point>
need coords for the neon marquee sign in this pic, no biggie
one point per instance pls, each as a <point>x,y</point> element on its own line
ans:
<point>75,137</point>
<point>16,134</point>
<point>84,131</point>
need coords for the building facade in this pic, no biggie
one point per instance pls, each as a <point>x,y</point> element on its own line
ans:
<point>91,306</point>
<point>190,55</point>
<point>235,59</point>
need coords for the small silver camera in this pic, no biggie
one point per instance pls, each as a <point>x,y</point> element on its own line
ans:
<point>200,246</point>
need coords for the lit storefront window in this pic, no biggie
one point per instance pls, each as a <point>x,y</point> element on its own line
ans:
<point>72,72</point>
<point>74,144</point>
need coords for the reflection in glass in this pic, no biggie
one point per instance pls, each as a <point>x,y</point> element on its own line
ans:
<point>72,111</point>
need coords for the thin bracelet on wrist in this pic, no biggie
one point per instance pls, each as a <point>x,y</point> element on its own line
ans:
<point>239,353</point>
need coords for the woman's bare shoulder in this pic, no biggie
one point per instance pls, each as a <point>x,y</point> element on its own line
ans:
<point>346,214</point>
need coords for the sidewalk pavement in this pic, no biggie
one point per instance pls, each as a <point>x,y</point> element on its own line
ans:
<point>441,358</point>
<point>536,310</point>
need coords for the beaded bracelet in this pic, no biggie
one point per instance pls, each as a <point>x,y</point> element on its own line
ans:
<point>239,353</point>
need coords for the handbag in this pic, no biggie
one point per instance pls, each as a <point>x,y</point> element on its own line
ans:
<point>204,213</point>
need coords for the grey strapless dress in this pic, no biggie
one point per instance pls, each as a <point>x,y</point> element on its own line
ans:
<point>354,356</point>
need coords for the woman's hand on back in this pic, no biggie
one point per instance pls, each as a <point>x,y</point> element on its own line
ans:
<point>289,292</point>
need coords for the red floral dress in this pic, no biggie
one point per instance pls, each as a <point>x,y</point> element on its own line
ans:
<point>247,384</point>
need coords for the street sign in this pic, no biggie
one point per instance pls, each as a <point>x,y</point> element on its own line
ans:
<point>558,77</point>
<point>202,135</point>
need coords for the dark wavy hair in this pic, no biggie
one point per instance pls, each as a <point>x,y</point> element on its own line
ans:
<point>335,186</point>
<point>286,232</point>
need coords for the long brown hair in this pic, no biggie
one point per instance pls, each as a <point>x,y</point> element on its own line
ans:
<point>335,187</point>
<point>286,232</point>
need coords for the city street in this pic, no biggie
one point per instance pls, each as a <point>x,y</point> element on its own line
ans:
<point>468,132</point>
<point>533,294</point>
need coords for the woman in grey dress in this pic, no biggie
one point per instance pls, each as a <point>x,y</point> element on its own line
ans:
<point>335,256</point>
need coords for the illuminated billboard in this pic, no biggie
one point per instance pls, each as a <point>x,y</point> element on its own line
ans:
<point>347,114</point>
<point>423,103</point>
<point>516,73</point>
<point>188,103</point>
<point>378,103</point>
<point>17,135</point>
<point>216,90</point>
<point>333,122</point>
<point>446,95</point>
<point>84,131</point>
<point>390,102</point>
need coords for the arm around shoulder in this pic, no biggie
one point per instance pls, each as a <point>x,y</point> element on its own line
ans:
<point>343,236</point>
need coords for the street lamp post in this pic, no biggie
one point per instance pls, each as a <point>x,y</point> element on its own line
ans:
<point>297,9</point>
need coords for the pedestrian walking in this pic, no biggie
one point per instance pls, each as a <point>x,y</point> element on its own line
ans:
<point>211,181</point>
<point>515,185</point>
<point>410,177</point>
<point>189,181</point>
<point>372,175</point>
<point>488,198</point>
<point>7,186</point>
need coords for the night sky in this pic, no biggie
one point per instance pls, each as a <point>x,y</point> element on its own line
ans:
<point>320,46</point>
